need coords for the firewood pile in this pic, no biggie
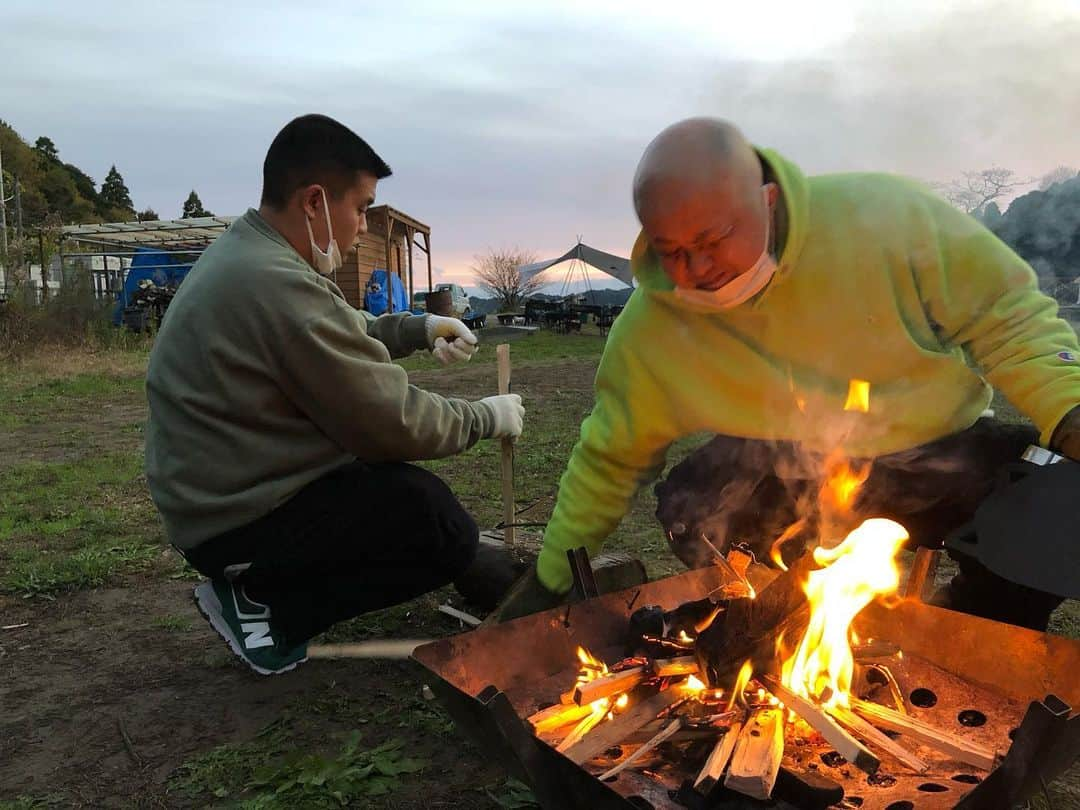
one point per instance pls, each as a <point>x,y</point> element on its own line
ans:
<point>763,694</point>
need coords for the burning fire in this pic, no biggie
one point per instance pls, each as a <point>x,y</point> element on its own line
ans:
<point>860,569</point>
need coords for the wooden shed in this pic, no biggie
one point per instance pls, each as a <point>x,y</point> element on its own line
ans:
<point>387,244</point>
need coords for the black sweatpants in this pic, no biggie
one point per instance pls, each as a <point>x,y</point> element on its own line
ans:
<point>363,537</point>
<point>735,490</point>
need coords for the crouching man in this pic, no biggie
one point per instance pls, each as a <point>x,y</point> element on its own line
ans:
<point>280,430</point>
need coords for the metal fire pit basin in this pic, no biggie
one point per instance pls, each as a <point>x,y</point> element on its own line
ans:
<point>1024,682</point>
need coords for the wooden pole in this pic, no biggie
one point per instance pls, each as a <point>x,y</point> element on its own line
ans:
<point>502,353</point>
<point>399,648</point>
<point>923,572</point>
<point>389,274</point>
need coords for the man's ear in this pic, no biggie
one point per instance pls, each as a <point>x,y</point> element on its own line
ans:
<point>310,199</point>
<point>772,193</point>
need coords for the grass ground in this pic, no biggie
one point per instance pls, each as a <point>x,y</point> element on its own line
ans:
<point>115,691</point>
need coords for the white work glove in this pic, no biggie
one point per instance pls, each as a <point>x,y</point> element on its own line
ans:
<point>449,339</point>
<point>509,415</point>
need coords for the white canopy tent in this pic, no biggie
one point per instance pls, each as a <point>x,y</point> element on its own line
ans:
<point>581,258</point>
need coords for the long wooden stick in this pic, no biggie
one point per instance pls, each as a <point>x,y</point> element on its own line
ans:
<point>620,727</point>
<point>855,724</point>
<point>502,354</point>
<point>960,749</point>
<point>847,746</point>
<point>668,731</point>
<point>399,648</point>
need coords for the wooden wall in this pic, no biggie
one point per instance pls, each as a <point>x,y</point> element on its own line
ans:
<point>370,253</point>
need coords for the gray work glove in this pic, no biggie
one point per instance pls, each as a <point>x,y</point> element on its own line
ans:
<point>450,340</point>
<point>508,413</point>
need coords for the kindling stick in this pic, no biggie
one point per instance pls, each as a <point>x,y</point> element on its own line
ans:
<point>502,354</point>
<point>394,648</point>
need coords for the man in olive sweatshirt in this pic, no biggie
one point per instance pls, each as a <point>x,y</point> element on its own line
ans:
<point>762,294</point>
<point>279,427</point>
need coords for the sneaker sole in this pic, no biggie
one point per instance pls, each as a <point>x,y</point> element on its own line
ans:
<point>206,600</point>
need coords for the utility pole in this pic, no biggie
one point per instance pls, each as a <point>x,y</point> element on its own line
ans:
<point>18,224</point>
<point>3,211</point>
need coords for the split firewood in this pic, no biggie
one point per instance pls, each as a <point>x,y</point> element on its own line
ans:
<point>617,729</point>
<point>847,746</point>
<point>718,760</point>
<point>960,749</point>
<point>666,733</point>
<point>460,615</point>
<point>608,685</point>
<point>855,724</point>
<point>672,667</point>
<point>557,716</point>
<point>758,752</point>
<point>577,734</point>
<point>377,648</point>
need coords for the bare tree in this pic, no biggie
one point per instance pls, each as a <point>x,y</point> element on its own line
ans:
<point>974,190</point>
<point>1058,175</point>
<point>498,272</point>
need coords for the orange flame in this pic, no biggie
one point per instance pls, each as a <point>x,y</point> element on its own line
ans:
<point>858,396</point>
<point>858,570</point>
<point>693,685</point>
<point>743,678</point>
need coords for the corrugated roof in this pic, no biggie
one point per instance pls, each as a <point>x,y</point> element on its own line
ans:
<point>177,234</point>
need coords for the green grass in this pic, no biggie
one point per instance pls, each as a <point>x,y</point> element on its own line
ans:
<point>74,524</point>
<point>540,348</point>
<point>175,623</point>
<point>26,402</point>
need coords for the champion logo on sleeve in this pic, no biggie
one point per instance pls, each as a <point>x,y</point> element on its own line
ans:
<point>1067,357</point>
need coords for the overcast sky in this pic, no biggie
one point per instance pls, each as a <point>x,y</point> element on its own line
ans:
<point>513,123</point>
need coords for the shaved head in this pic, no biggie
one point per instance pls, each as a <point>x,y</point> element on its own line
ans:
<point>696,152</point>
<point>700,195</point>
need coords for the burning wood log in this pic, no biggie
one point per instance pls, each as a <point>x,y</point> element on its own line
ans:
<point>557,716</point>
<point>748,628</point>
<point>758,751</point>
<point>960,749</point>
<point>846,745</point>
<point>673,667</point>
<point>851,721</point>
<point>718,760</point>
<point>619,727</point>
<point>608,685</point>
<point>666,733</point>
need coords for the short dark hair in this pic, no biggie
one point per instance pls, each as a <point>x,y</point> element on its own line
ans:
<point>316,149</point>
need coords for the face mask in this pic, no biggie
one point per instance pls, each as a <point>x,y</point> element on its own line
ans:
<point>741,288</point>
<point>326,262</point>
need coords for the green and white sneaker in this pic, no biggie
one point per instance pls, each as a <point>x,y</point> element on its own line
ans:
<point>245,625</point>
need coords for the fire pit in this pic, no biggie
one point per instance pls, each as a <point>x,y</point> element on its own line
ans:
<point>987,705</point>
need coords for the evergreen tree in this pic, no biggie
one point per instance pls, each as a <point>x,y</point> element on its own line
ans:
<point>149,215</point>
<point>46,150</point>
<point>193,207</point>
<point>114,193</point>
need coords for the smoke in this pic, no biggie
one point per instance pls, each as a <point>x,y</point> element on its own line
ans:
<point>977,84</point>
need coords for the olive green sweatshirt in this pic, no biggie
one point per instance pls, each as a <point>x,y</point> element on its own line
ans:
<point>263,379</point>
<point>880,281</point>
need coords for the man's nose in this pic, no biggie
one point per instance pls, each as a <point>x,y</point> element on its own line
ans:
<point>700,264</point>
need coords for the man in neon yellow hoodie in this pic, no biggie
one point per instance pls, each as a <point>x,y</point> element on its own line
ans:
<point>762,293</point>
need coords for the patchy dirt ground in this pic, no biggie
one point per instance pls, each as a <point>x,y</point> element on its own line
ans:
<point>122,696</point>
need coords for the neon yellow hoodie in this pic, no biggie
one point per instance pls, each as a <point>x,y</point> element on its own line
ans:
<point>880,280</point>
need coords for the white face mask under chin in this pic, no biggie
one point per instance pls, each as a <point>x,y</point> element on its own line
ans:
<point>329,260</point>
<point>741,288</point>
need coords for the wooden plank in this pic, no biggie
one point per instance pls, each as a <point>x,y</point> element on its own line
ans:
<point>718,760</point>
<point>664,734</point>
<point>758,752</point>
<point>608,685</point>
<point>502,353</point>
<point>847,746</point>
<point>960,749</point>
<point>855,724</point>
<point>614,731</point>
<point>557,716</point>
<point>672,667</point>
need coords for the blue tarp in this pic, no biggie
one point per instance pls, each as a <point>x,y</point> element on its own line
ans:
<point>164,269</point>
<point>375,296</point>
